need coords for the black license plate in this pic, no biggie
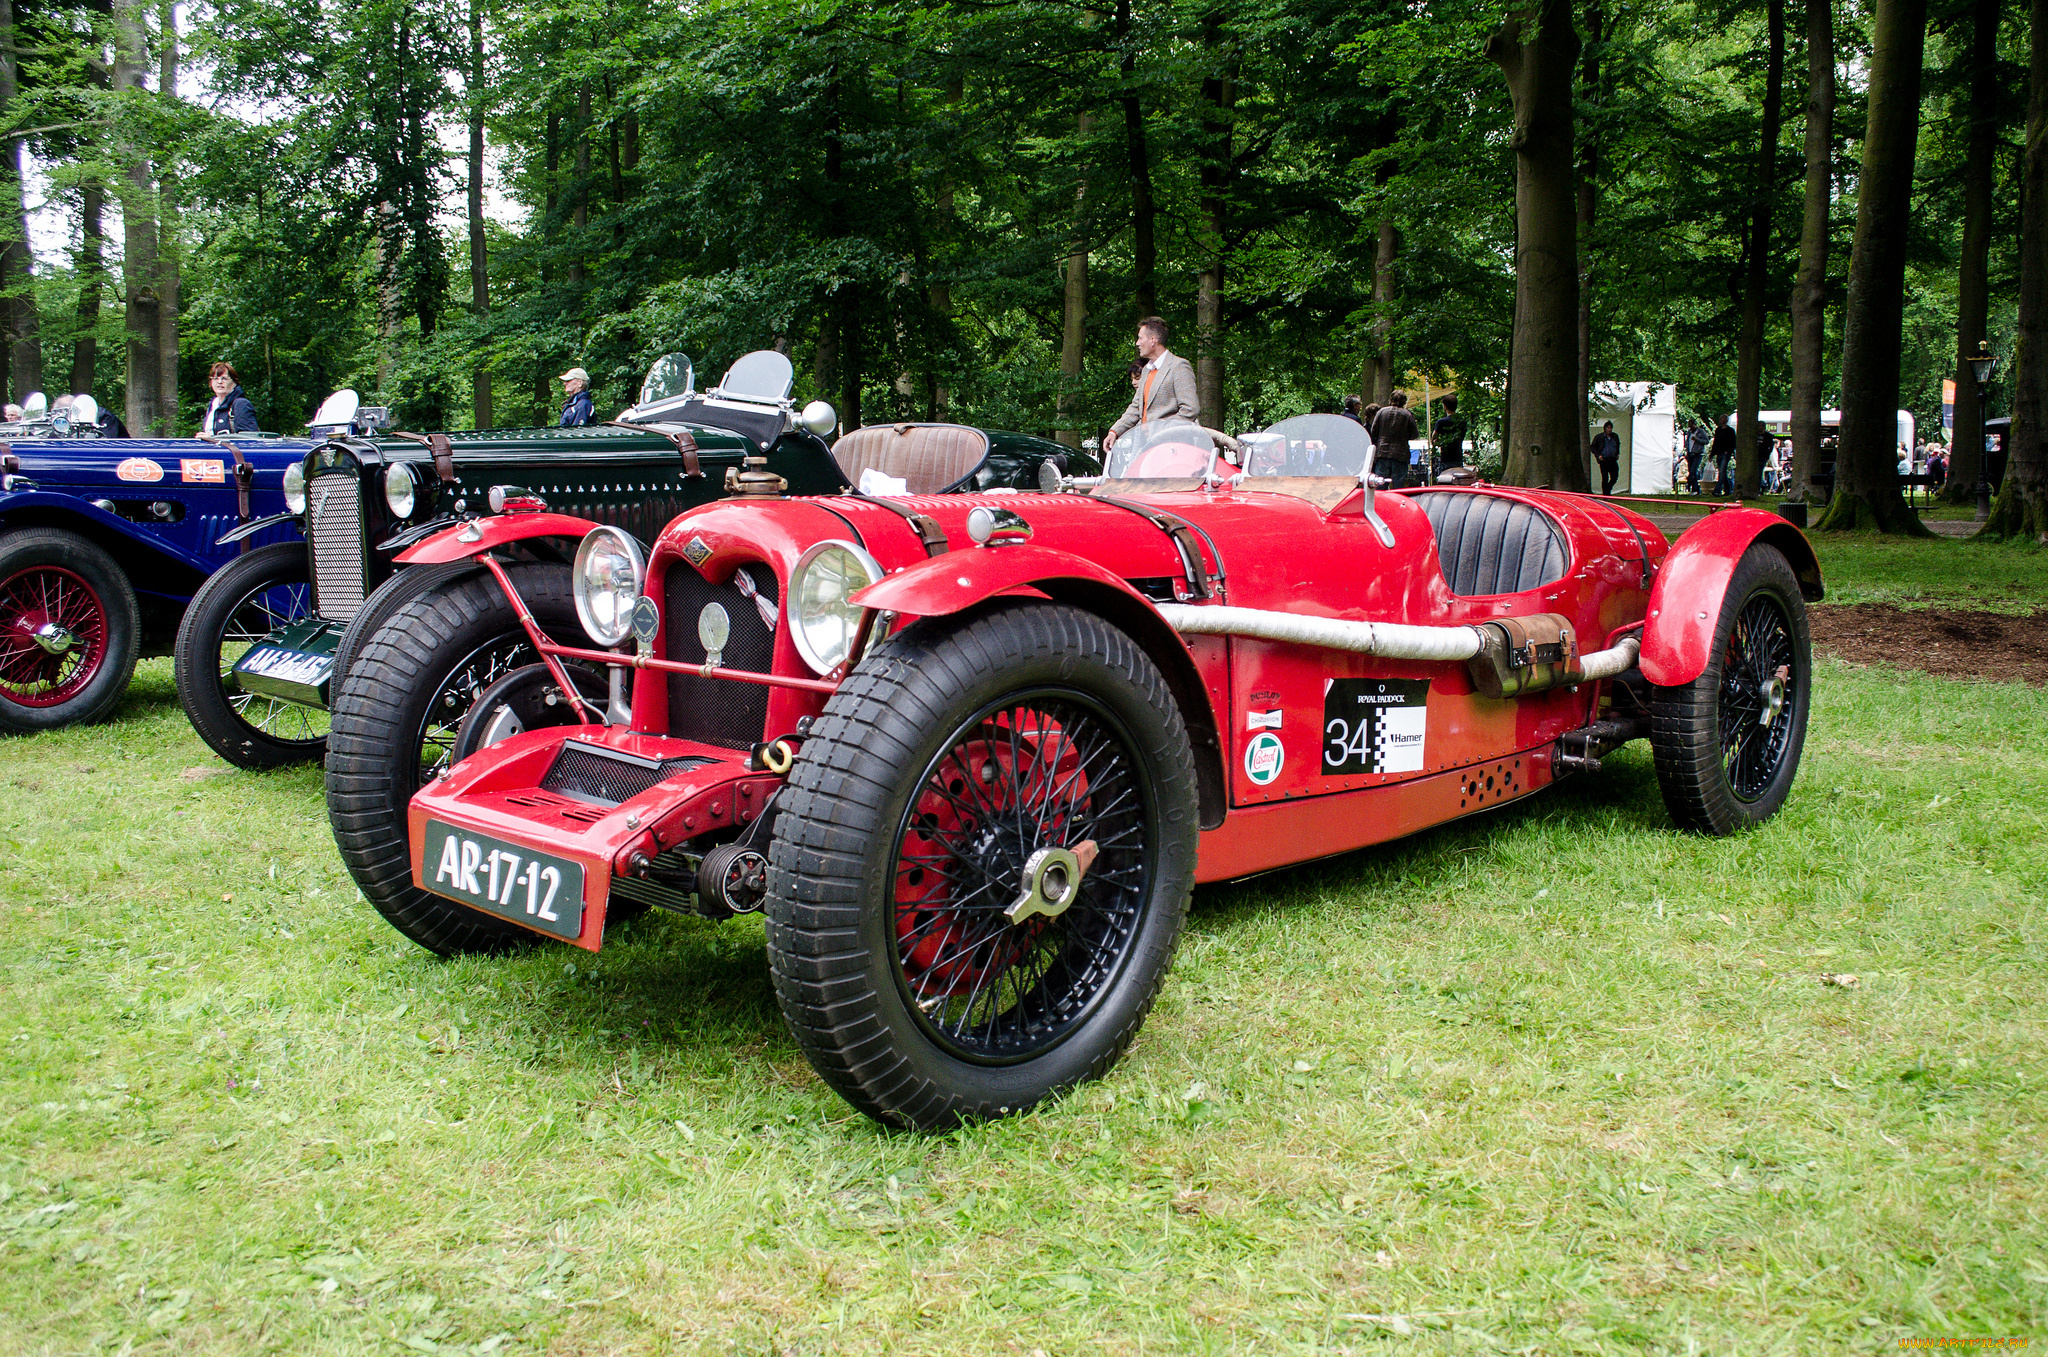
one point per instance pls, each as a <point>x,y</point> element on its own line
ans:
<point>539,890</point>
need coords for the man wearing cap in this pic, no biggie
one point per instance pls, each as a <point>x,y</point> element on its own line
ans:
<point>577,410</point>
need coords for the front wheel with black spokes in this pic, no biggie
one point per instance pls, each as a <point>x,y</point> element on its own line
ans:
<point>1727,744</point>
<point>240,605</point>
<point>982,864</point>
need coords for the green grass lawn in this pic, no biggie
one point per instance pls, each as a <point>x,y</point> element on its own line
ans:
<point>1556,1079</point>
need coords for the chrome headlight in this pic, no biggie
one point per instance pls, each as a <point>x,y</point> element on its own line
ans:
<point>295,487</point>
<point>401,489</point>
<point>609,570</point>
<point>824,618</point>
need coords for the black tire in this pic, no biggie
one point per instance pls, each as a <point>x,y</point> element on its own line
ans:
<point>920,1008</point>
<point>1727,744</point>
<point>240,604</point>
<point>383,604</point>
<point>50,578</point>
<point>396,716</point>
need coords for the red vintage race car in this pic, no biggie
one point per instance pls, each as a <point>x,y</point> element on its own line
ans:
<point>970,754</point>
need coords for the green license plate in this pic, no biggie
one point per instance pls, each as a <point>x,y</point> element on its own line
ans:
<point>536,889</point>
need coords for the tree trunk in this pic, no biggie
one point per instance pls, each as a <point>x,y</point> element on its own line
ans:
<point>1074,311</point>
<point>169,257</point>
<point>939,295</point>
<point>1380,365</point>
<point>479,247</point>
<point>1809,288</point>
<point>1144,214</point>
<point>1749,345</point>
<point>1588,204</point>
<point>1866,479</point>
<point>1973,294</point>
<point>1219,97</point>
<point>138,234</point>
<point>92,268</point>
<point>1538,54</point>
<point>581,217</point>
<point>2022,507</point>
<point>18,318</point>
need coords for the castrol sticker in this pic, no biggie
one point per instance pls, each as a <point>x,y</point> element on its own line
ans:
<point>1264,757</point>
<point>202,471</point>
<point>139,469</point>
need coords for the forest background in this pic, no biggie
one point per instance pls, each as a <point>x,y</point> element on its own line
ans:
<point>959,210</point>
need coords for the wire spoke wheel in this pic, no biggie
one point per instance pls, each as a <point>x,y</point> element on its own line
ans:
<point>441,720</point>
<point>1727,743</point>
<point>53,635</point>
<point>260,612</point>
<point>980,865</point>
<point>69,629</point>
<point>247,603</point>
<point>1755,723</point>
<point>1047,769</point>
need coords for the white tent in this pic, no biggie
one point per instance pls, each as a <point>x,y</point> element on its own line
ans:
<point>1645,415</point>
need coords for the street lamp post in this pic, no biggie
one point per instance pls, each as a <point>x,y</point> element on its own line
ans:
<point>1982,364</point>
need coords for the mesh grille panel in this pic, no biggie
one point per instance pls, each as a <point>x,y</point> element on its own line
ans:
<point>605,777</point>
<point>719,711</point>
<point>334,517</point>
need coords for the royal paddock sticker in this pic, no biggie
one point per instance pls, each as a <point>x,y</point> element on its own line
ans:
<point>1374,725</point>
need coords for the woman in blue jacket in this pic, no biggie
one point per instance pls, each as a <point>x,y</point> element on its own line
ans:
<point>231,411</point>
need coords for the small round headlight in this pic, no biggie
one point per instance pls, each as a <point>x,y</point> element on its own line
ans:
<point>821,588</point>
<point>295,487</point>
<point>401,489</point>
<point>609,570</point>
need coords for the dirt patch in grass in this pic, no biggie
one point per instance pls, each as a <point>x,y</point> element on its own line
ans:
<point>1947,642</point>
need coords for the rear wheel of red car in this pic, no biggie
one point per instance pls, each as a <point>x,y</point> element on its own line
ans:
<point>981,865</point>
<point>239,605</point>
<point>396,717</point>
<point>1727,744</point>
<point>68,630</point>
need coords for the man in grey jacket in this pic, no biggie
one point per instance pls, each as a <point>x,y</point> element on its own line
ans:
<point>1165,391</point>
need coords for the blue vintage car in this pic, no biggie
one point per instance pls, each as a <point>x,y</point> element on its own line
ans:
<point>103,541</point>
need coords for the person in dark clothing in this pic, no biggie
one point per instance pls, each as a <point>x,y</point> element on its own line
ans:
<point>1392,428</point>
<point>231,411</point>
<point>1695,453</point>
<point>577,409</point>
<point>110,425</point>
<point>1607,451</point>
<point>1447,436</point>
<point>1350,410</point>
<point>1723,451</point>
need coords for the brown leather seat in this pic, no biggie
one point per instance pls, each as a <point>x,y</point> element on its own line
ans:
<point>929,458</point>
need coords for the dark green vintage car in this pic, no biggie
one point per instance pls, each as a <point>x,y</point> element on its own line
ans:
<point>264,642</point>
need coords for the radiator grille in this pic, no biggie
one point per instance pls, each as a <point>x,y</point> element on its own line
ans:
<point>334,532</point>
<point>720,711</point>
<point>605,777</point>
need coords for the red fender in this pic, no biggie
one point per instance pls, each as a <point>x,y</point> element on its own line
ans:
<point>960,579</point>
<point>481,534</point>
<point>1685,602</point>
